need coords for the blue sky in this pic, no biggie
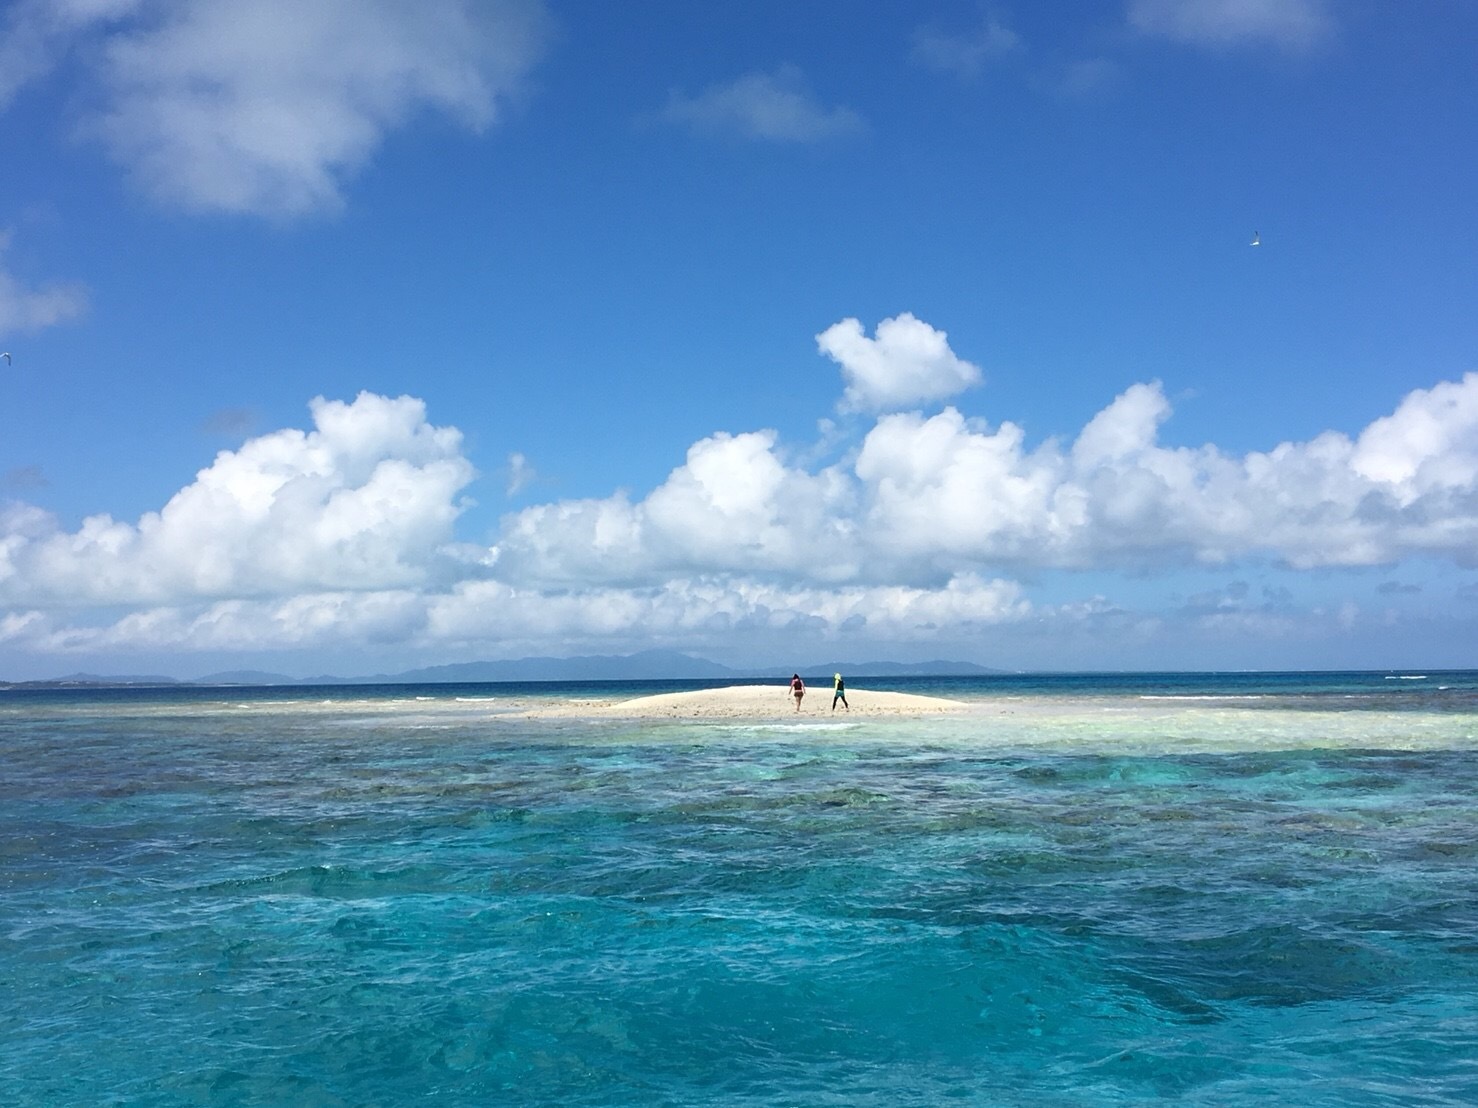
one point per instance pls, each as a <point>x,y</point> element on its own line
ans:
<point>350,337</point>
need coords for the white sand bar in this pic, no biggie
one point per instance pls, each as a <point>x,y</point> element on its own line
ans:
<point>748,702</point>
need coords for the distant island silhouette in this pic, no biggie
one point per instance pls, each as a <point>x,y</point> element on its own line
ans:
<point>646,665</point>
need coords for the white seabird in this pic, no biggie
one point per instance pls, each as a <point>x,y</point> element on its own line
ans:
<point>1256,239</point>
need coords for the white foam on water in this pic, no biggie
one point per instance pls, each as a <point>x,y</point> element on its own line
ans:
<point>786,726</point>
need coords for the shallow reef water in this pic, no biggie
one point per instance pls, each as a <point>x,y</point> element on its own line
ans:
<point>1075,894</point>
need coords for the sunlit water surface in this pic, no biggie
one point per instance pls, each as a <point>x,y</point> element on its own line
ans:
<point>1100,891</point>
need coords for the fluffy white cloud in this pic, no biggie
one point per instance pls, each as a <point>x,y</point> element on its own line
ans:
<point>908,362</point>
<point>928,497</point>
<point>367,500</point>
<point>28,308</point>
<point>945,489</point>
<point>1292,24</point>
<point>266,107</point>
<point>1428,445</point>
<point>734,506</point>
<point>776,107</point>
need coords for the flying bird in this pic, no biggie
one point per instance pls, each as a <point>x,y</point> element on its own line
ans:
<point>1256,239</point>
<point>6,356</point>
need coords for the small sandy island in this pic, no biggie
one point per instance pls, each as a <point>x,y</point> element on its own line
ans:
<point>748,702</point>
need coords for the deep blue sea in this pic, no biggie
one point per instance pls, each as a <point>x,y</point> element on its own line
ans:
<point>1210,889</point>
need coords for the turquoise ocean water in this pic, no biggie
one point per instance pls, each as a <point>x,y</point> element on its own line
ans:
<point>1207,889</point>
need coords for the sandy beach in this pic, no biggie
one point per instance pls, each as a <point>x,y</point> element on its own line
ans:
<point>747,702</point>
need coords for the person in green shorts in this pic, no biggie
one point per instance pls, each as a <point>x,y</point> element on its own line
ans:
<point>840,693</point>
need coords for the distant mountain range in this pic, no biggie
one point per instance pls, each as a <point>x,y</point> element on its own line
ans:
<point>648,665</point>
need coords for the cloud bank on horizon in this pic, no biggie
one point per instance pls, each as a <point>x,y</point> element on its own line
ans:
<point>347,531</point>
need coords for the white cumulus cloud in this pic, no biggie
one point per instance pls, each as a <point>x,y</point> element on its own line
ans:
<point>908,362</point>
<point>1407,486</point>
<point>366,500</point>
<point>1428,444</point>
<point>734,506</point>
<point>927,497</point>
